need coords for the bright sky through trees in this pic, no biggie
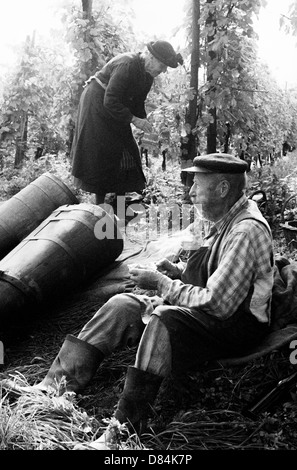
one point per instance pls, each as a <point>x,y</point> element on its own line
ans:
<point>276,48</point>
<point>155,18</point>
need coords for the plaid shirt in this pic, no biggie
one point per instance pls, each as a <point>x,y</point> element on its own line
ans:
<point>245,259</point>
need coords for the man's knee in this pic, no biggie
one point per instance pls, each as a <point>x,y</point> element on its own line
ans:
<point>116,324</point>
<point>119,299</point>
<point>163,312</point>
<point>123,305</point>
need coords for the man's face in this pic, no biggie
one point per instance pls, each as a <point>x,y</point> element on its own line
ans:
<point>154,67</point>
<point>204,194</point>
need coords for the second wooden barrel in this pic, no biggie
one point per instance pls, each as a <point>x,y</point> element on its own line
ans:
<point>24,211</point>
<point>61,254</point>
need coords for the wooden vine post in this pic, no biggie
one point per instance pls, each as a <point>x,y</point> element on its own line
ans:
<point>212,126</point>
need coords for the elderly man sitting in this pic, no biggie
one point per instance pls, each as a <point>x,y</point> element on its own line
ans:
<point>215,305</point>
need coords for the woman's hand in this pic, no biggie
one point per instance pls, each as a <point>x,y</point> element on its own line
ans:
<point>142,124</point>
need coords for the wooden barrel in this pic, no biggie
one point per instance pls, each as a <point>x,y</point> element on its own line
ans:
<point>61,254</point>
<point>24,211</point>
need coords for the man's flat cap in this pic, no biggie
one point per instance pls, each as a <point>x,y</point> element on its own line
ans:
<point>217,163</point>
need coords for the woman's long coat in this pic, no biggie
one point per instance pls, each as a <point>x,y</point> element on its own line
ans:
<point>105,155</point>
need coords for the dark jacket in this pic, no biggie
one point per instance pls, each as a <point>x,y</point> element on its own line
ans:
<point>103,132</point>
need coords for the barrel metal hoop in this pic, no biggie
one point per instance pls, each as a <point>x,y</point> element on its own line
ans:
<point>76,258</point>
<point>24,203</point>
<point>62,185</point>
<point>77,219</point>
<point>20,285</point>
<point>44,192</point>
<point>8,230</point>
<point>57,215</point>
<point>41,190</point>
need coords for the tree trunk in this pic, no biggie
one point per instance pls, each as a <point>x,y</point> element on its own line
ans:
<point>212,132</point>
<point>87,68</point>
<point>227,137</point>
<point>212,56</point>
<point>194,83</point>
<point>21,141</point>
<point>87,8</point>
<point>22,137</point>
<point>90,66</point>
<point>191,116</point>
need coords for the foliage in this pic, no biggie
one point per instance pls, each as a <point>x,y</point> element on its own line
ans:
<point>96,40</point>
<point>42,422</point>
<point>47,82</point>
<point>276,192</point>
<point>289,21</point>
<point>14,180</point>
<point>37,87</point>
<point>235,83</point>
<point>28,94</point>
<point>166,106</point>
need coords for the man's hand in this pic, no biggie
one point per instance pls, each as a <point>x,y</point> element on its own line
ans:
<point>145,278</point>
<point>168,268</point>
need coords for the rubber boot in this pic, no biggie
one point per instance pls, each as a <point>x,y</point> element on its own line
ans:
<point>71,371</point>
<point>77,362</point>
<point>139,394</point>
<point>140,391</point>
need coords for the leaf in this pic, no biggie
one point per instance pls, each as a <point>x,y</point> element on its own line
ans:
<point>4,129</point>
<point>94,32</point>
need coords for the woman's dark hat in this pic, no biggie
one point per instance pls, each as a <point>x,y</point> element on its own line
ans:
<point>217,163</point>
<point>164,52</point>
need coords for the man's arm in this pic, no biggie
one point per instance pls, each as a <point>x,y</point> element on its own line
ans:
<point>243,258</point>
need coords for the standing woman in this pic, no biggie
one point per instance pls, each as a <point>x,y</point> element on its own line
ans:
<point>105,155</point>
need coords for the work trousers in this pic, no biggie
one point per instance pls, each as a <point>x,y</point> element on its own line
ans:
<point>169,338</point>
<point>125,321</point>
